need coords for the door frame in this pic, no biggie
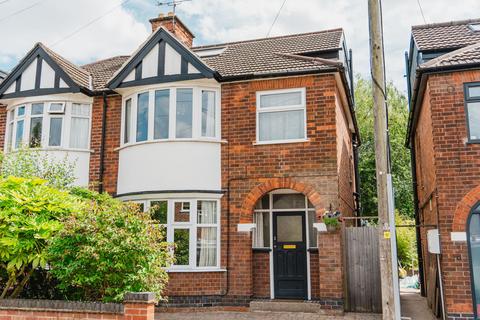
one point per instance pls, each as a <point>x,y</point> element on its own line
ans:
<point>301,214</point>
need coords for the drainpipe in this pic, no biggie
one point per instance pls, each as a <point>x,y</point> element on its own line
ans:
<point>413,162</point>
<point>356,194</point>
<point>101,167</point>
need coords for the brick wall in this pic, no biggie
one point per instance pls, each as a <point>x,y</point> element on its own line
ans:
<point>3,125</point>
<point>112,141</point>
<point>137,306</point>
<point>330,269</point>
<point>261,274</point>
<point>448,168</point>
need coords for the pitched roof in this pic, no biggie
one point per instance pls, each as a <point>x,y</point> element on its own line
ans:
<point>77,74</point>
<point>463,56</point>
<point>264,56</point>
<point>103,70</point>
<point>3,75</point>
<point>447,35</point>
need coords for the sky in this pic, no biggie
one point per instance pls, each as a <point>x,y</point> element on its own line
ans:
<point>88,30</point>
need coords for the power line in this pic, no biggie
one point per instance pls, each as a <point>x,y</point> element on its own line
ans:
<point>421,11</point>
<point>276,17</point>
<point>89,23</point>
<point>19,11</point>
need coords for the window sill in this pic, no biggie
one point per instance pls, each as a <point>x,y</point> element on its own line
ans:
<point>134,144</point>
<point>259,143</point>
<point>59,149</point>
<point>195,270</point>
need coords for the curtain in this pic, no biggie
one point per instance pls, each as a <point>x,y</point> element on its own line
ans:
<point>208,114</point>
<point>207,236</point>
<point>258,236</point>
<point>280,99</point>
<point>79,133</point>
<point>282,125</point>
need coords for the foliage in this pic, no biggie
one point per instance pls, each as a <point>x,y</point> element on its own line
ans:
<point>332,222</point>
<point>400,156</point>
<point>406,243</point>
<point>29,216</point>
<point>107,249</point>
<point>33,163</point>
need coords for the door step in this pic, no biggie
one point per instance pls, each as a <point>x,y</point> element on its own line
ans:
<point>285,306</point>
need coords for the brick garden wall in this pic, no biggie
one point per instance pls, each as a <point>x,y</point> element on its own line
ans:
<point>137,306</point>
<point>455,171</point>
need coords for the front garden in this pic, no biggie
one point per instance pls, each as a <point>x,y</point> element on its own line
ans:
<point>63,242</point>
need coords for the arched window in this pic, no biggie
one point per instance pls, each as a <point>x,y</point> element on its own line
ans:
<point>473,231</point>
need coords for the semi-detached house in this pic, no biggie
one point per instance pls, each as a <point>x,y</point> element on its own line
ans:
<point>238,147</point>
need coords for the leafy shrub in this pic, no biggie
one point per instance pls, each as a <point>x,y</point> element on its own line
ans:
<point>107,249</point>
<point>33,163</point>
<point>406,242</point>
<point>29,216</point>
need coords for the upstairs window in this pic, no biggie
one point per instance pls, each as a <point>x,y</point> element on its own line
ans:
<point>281,116</point>
<point>49,124</point>
<point>472,103</point>
<point>171,114</point>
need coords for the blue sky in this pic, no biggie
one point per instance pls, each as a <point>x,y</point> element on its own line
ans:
<point>58,24</point>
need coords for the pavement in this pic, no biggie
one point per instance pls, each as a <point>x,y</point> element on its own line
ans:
<point>414,306</point>
<point>258,315</point>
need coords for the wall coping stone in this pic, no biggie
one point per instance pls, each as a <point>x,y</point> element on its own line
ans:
<point>139,297</point>
<point>60,306</point>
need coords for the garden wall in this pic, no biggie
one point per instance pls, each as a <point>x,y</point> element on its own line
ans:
<point>137,306</point>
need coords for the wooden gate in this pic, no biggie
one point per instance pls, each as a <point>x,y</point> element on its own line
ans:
<point>362,272</point>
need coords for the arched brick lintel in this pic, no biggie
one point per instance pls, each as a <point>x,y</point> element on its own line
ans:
<point>278,183</point>
<point>463,209</point>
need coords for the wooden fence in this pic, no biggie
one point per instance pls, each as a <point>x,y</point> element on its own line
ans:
<point>362,269</point>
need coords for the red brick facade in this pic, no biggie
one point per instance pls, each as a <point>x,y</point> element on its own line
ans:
<point>448,177</point>
<point>321,168</point>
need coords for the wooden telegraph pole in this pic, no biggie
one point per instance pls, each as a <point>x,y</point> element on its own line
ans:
<point>377,67</point>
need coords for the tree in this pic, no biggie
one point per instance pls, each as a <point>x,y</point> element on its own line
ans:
<point>108,249</point>
<point>400,157</point>
<point>33,163</point>
<point>30,213</point>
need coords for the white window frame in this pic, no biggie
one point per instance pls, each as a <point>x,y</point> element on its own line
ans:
<point>66,115</point>
<point>259,110</point>
<point>196,115</point>
<point>61,111</point>
<point>192,226</point>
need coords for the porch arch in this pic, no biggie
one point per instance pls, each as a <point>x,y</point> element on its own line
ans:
<point>271,184</point>
<point>464,207</point>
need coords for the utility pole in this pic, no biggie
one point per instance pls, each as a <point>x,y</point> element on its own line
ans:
<point>384,192</point>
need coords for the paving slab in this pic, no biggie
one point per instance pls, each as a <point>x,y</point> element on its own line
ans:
<point>414,306</point>
<point>259,315</point>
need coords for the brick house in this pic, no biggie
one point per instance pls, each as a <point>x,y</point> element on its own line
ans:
<point>238,148</point>
<point>443,134</point>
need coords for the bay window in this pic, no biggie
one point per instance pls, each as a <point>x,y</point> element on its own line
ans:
<point>193,226</point>
<point>184,113</point>
<point>49,124</point>
<point>281,116</point>
<point>171,114</point>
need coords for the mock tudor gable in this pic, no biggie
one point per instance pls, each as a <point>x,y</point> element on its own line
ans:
<point>162,58</point>
<point>43,72</point>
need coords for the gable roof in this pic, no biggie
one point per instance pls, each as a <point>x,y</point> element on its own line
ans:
<point>3,75</point>
<point>161,38</point>
<point>267,55</point>
<point>64,75</point>
<point>447,35</point>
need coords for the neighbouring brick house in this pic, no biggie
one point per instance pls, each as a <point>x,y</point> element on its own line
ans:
<point>444,135</point>
<point>239,148</point>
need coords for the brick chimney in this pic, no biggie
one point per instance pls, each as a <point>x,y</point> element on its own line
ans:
<point>175,26</point>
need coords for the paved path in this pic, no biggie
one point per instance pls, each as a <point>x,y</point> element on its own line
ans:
<point>261,316</point>
<point>414,306</point>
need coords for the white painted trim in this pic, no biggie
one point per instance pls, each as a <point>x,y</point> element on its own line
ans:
<point>246,227</point>
<point>196,270</point>
<point>302,106</point>
<point>458,236</point>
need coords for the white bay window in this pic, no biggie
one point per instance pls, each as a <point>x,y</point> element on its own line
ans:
<point>281,116</point>
<point>179,113</point>
<point>193,226</point>
<point>63,125</point>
